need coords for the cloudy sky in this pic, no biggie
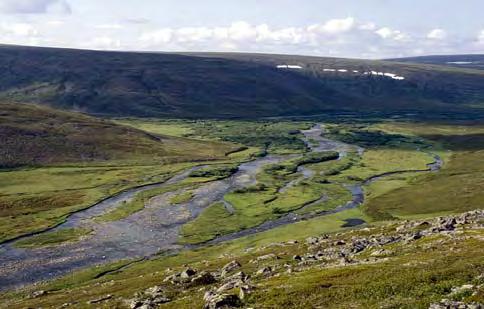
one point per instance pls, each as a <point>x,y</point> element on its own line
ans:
<point>345,28</point>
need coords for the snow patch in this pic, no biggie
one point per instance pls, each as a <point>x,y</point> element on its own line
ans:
<point>289,66</point>
<point>376,73</point>
<point>460,62</point>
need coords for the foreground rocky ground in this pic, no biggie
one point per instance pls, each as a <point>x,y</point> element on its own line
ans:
<point>298,274</point>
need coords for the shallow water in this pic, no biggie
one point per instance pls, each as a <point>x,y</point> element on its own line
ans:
<point>156,227</point>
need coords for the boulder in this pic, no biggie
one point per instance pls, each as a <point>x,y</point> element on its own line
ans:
<point>270,256</point>
<point>339,243</point>
<point>149,298</point>
<point>187,273</point>
<point>38,294</point>
<point>244,290</point>
<point>228,268</point>
<point>264,271</point>
<point>215,301</point>
<point>100,299</point>
<point>203,278</point>
<point>312,240</point>
<point>450,304</point>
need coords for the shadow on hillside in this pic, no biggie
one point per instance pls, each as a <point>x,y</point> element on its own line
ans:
<point>468,142</point>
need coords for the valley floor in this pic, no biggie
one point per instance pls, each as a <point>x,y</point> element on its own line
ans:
<point>286,181</point>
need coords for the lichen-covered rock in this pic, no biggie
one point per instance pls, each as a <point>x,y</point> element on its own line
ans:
<point>187,273</point>
<point>264,271</point>
<point>230,267</point>
<point>450,304</point>
<point>215,301</point>
<point>149,299</point>
<point>203,278</point>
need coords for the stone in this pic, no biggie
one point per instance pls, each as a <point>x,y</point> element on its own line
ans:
<point>414,236</point>
<point>312,240</point>
<point>264,271</point>
<point>339,243</point>
<point>187,273</point>
<point>380,252</point>
<point>215,301</point>
<point>149,299</point>
<point>154,291</point>
<point>172,278</point>
<point>100,299</point>
<point>463,288</point>
<point>39,293</point>
<point>203,278</point>
<point>449,304</point>
<point>244,290</point>
<point>134,303</point>
<point>228,268</point>
<point>270,256</point>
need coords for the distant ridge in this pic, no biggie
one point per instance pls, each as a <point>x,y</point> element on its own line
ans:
<point>232,85</point>
<point>472,61</point>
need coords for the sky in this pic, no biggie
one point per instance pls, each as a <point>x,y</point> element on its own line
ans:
<point>340,28</point>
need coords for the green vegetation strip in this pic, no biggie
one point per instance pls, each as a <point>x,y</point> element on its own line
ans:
<point>181,198</point>
<point>137,203</point>
<point>53,238</point>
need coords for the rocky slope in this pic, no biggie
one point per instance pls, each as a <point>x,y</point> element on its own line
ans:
<point>403,260</point>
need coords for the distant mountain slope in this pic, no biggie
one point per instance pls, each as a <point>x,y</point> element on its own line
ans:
<point>229,85</point>
<point>470,61</point>
<point>35,135</point>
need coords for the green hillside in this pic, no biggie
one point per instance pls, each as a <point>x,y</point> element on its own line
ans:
<point>34,135</point>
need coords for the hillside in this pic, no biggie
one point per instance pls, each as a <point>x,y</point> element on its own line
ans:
<point>471,61</point>
<point>36,135</point>
<point>218,85</point>
<point>413,264</point>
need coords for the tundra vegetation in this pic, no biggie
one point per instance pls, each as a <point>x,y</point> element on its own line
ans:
<point>40,194</point>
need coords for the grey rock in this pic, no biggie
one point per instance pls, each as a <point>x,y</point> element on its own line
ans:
<point>450,304</point>
<point>203,278</point>
<point>264,271</point>
<point>215,301</point>
<point>228,268</point>
<point>100,299</point>
<point>38,294</point>
<point>187,273</point>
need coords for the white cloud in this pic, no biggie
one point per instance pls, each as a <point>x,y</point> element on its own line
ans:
<point>34,6</point>
<point>156,37</point>
<point>136,20</point>
<point>18,29</point>
<point>334,26</point>
<point>55,23</point>
<point>193,34</point>
<point>480,37</point>
<point>241,30</point>
<point>346,37</point>
<point>103,42</point>
<point>367,26</point>
<point>291,35</point>
<point>437,34</point>
<point>109,27</point>
<point>396,35</point>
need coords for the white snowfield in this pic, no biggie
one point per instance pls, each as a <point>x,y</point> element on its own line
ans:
<point>460,62</point>
<point>384,74</point>
<point>375,73</point>
<point>289,66</point>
